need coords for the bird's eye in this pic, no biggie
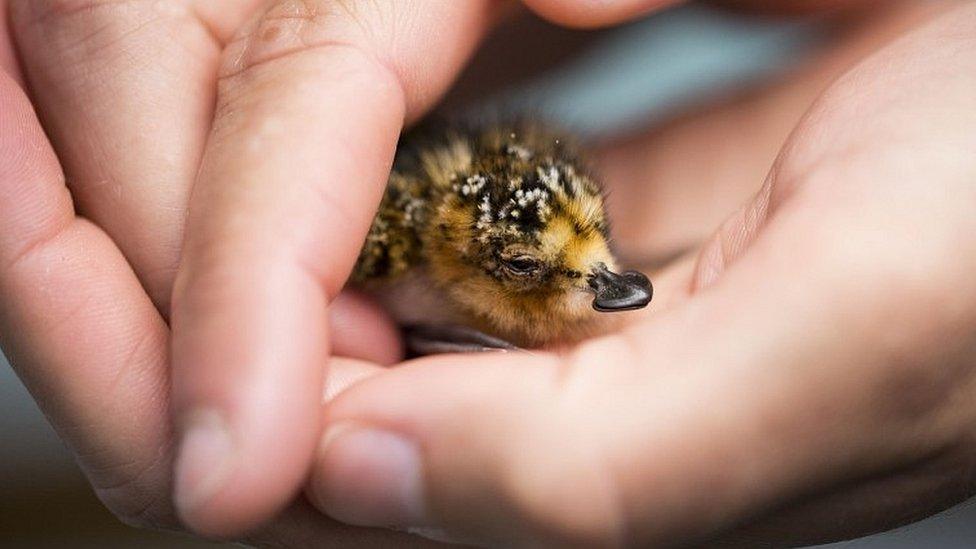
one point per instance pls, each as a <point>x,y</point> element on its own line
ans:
<point>521,265</point>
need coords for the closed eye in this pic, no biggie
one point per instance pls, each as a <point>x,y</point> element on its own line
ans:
<point>521,265</point>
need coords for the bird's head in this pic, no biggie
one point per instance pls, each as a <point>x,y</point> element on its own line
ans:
<point>522,241</point>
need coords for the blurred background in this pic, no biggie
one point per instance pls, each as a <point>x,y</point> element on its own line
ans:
<point>594,81</point>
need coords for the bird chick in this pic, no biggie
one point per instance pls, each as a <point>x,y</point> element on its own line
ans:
<point>495,235</point>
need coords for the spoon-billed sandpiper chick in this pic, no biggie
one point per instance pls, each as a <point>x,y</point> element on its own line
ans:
<point>494,237</point>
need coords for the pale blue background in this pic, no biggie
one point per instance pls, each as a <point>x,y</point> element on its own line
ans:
<point>634,74</point>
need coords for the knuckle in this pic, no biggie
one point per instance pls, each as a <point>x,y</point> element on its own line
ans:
<point>41,10</point>
<point>136,492</point>
<point>297,47</point>
<point>44,12</point>
<point>91,34</point>
<point>293,27</point>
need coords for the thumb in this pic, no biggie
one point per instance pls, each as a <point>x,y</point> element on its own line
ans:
<point>596,448</point>
<point>484,468</point>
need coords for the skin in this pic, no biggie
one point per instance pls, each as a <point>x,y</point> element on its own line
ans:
<point>840,413</point>
<point>870,423</point>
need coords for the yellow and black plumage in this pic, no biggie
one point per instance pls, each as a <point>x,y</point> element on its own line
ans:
<point>500,229</point>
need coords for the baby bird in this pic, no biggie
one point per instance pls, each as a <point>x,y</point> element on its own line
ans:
<point>494,237</point>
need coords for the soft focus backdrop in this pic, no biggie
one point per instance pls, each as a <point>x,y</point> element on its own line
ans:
<point>638,72</point>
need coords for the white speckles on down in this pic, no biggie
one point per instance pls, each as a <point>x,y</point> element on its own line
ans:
<point>549,177</point>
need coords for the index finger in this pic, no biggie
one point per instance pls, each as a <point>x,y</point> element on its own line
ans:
<point>310,105</point>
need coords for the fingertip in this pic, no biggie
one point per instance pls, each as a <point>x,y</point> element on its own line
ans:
<point>360,328</point>
<point>399,445</point>
<point>356,467</point>
<point>247,386</point>
<point>227,483</point>
<point>369,477</point>
<point>210,455</point>
<point>587,14</point>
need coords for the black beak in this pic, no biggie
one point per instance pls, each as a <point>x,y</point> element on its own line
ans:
<point>628,291</point>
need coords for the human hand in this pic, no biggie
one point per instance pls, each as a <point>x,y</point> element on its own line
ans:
<point>809,377</point>
<point>87,341</point>
<point>83,333</point>
<point>78,326</point>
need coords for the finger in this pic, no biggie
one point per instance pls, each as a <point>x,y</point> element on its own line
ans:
<point>359,328</point>
<point>549,459</point>
<point>300,525</point>
<point>588,14</point>
<point>311,101</point>
<point>665,198</point>
<point>126,92</point>
<point>78,328</point>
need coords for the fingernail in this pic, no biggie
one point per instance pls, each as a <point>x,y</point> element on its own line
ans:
<point>207,455</point>
<point>369,477</point>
